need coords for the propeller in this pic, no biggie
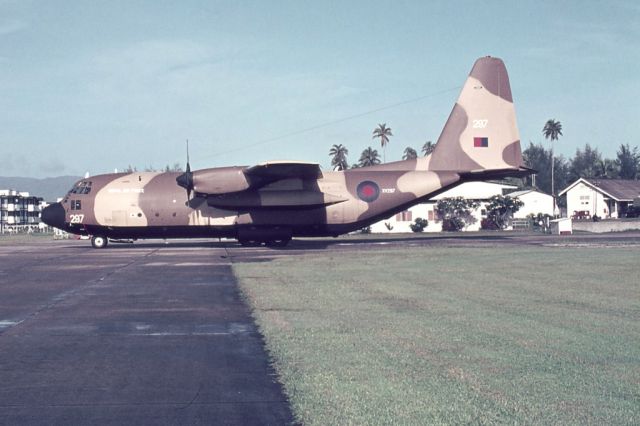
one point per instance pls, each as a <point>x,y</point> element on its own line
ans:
<point>185,180</point>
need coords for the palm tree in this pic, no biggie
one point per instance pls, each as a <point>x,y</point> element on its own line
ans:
<point>608,169</point>
<point>428,148</point>
<point>383,132</point>
<point>551,130</point>
<point>369,157</point>
<point>628,162</point>
<point>338,155</point>
<point>409,154</point>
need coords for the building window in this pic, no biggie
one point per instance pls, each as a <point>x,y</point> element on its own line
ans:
<point>405,216</point>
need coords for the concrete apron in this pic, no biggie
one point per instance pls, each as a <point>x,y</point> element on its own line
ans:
<point>130,335</point>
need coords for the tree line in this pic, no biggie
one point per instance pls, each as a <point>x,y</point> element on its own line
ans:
<point>587,162</point>
<point>176,167</point>
<point>371,156</point>
<point>553,172</point>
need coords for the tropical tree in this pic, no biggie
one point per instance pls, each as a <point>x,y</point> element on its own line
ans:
<point>551,130</point>
<point>628,161</point>
<point>409,154</point>
<point>500,210</point>
<point>176,167</point>
<point>428,148</point>
<point>455,212</point>
<point>338,155</point>
<point>586,163</point>
<point>538,158</point>
<point>608,169</point>
<point>383,132</point>
<point>369,157</point>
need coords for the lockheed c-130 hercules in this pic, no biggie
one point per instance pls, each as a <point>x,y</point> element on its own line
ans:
<point>274,201</point>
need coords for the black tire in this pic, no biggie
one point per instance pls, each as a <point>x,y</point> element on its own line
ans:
<point>99,242</point>
<point>249,243</point>
<point>278,243</point>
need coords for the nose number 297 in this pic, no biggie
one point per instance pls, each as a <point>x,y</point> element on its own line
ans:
<point>76,218</point>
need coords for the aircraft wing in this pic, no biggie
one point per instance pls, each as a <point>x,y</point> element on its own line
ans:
<point>277,170</point>
<point>247,193</point>
<point>223,180</point>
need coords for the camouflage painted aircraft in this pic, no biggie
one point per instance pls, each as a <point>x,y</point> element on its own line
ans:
<point>272,202</point>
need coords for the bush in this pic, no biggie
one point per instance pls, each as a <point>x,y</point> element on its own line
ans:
<point>419,225</point>
<point>453,224</point>
<point>501,209</point>
<point>455,212</point>
<point>489,224</point>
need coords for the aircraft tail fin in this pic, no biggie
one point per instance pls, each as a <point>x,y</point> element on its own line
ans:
<point>481,133</point>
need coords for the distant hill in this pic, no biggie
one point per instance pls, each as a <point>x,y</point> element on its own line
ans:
<point>48,188</point>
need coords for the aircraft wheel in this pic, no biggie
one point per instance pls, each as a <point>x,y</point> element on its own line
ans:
<point>277,243</point>
<point>98,241</point>
<point>249,243</point>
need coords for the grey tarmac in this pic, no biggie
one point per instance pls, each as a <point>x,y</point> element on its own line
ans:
<point>144,334</point>
<point>480,240</point>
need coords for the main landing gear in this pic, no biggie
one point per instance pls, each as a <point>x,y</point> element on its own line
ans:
<point>98,241</point>
<point>269,243</point>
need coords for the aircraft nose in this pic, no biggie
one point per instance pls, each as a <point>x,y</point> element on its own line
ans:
<point>53,215</point>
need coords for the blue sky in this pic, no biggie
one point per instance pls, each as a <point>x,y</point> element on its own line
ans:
<point>94,86</point>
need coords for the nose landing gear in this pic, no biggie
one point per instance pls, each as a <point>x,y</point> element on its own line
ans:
<point>98,241</point>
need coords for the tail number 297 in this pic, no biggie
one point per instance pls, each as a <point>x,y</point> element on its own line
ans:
<point>480,124</point>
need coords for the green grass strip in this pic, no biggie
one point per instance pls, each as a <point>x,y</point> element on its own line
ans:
<point>453,335</point>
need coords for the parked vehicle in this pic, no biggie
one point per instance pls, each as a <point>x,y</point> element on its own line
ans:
<point>633,211</point>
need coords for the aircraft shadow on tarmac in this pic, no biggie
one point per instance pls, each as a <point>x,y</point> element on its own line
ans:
<point>314,244</point>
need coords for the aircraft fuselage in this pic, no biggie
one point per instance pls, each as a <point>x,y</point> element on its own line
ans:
<point>151,205</point>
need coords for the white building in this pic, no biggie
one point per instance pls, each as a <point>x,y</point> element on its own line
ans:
<point>534,202</point>
<point>478,191</point>
<point>607,198</point>
<point>19,211</point>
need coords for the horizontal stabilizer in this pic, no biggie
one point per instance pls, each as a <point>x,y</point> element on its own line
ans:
<point>520,172</point>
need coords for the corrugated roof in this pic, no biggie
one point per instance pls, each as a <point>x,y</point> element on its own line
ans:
<point>620,189</point>
<point>519,193</point>
<point>525,191</point>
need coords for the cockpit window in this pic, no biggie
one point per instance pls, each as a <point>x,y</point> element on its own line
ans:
<point>82,187</point>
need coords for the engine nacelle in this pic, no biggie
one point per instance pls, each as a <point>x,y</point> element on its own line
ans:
<point>220,180</point>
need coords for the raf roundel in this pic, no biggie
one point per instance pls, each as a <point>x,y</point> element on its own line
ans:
<point>368,191</point>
